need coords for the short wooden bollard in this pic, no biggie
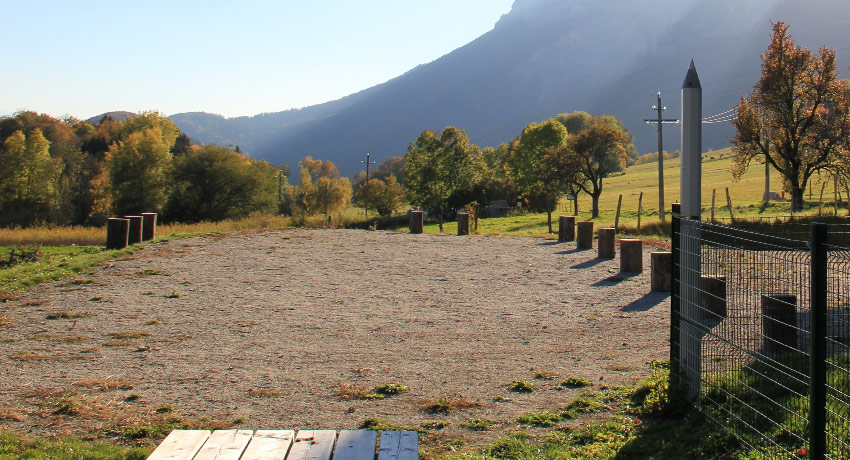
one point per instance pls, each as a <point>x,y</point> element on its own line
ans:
<point>779,320</point>
<point>605,245</point>
<point>417,221</point>
<point>566,228</point>
<point>661,278</point>
<point>631,255</point>
<point>584,235</point>
<point>463,223</point>
<point>148,226</point>
<point>713,297</point>
<point>116,233</point>
<point>134,234</point>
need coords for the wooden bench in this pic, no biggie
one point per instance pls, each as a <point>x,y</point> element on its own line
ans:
<point>287,445</point>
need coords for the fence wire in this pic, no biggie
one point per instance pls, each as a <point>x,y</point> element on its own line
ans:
<point>741,341</point>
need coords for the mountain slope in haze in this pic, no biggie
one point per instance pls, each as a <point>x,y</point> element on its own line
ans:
<point>546,57</point>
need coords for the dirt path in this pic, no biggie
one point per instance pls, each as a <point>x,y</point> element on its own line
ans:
<point>264,326</point>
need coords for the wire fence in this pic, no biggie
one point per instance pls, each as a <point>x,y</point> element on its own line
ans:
<point>760,333</point>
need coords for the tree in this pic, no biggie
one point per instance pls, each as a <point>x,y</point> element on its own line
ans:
<point>382,197</point>
<point>139,168</point>
<point>27,178</point>
<point>525,168</point>
<point>440,166</point>
<point>795,115</point>
<point>392,166</point>
<point>213,183</point>
<point>331,195</point>
<point>600,150</point>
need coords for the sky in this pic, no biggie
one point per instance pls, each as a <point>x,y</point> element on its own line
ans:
<point>233,58</point>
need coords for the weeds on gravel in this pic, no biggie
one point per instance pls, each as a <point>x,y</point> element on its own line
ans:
<point>263,393</point>
<point>172,295</point>
<point>67,315</point>
<point>543,375</point>
<point>380,424</point>
<point>575,382</point>
<point>447,404</point>
<point>478,424</point>
<point>105,384</point>
<point>347,392</point>
<point>391,389</point>
<point>521,386</point>
<point>435,424</point>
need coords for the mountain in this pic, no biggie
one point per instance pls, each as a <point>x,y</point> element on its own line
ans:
<point>543,58</point>
<point>119,115</point>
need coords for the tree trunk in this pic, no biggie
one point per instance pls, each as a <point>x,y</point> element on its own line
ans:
<point>796,199</point>
<point>549,217</point>
<point>440,220</point>
<point>575,205</point>
<point>595,197</point>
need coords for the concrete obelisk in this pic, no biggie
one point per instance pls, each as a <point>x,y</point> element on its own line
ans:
<point>691,331</point>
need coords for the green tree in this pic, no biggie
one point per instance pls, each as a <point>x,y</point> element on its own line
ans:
<point>525,167</point>
<point>139,168</point>
<point>440,166</point>
<point>213,183</point>
<point>385,198</point>
<point>600,150</point>
<point>27,178</point>
<point>331,195</point>
<point>795,115</point>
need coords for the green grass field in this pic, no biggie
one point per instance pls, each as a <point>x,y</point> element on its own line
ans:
<point>746,196</point>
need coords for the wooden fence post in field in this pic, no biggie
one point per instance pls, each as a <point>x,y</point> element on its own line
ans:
<point>566,228</point>
<point>116,233</point>
<point>148,226</point>
<point>640,208</point>
<point>729,204</point>
<point>417,220</point>
<point>463,223</point>
<point>617,218</point>
<point>713,196</point>
<point>134,234</point>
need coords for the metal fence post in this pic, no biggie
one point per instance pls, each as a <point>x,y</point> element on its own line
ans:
<point>817,392</point>
<point>675,318</point>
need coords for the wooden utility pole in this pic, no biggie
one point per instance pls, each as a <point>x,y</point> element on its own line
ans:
<point>659,122</point>
<point>368,162</point>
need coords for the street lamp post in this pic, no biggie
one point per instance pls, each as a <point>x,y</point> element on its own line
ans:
<point>368,162</point>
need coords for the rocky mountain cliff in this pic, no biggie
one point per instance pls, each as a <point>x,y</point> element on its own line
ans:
<point>546,57</point>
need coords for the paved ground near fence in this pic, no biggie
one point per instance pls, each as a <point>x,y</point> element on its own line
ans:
<point>264,326</point>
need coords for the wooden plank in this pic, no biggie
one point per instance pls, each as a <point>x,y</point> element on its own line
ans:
<point>356,445</point>
<point>312,445</point>
<point>180,445</point>
<point>399,445</point>
<point>269,444</point>
<point>225,445</point>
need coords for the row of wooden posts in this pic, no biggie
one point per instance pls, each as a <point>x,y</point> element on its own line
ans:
<point>122,232</point>
<point>631,249</point>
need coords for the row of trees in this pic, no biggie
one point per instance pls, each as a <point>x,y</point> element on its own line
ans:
<point>72,172</point>
<point>568,154</point>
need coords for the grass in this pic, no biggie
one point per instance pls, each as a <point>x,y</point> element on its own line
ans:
<point>448,404</point>
<point>348,392</point>
<point>575,382</point>
<point>477,424</point>
<point>521,386</point>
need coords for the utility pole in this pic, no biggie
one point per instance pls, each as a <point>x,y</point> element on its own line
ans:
<point>368,162</point>
<point>659,122</point>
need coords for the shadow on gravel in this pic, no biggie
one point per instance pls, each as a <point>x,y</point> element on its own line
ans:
<point>647,302</point>
<point>573,251</point>
<point>589,263</point>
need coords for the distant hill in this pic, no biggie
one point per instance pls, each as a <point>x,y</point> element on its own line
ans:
<point>546,57</point>
<point>117,116</point>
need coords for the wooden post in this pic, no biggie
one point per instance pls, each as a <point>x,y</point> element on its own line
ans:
<point>640,208</point>
<point>713,196</point>
<point>584,236</point>
<point>779,321</point>
<point>713,297</point>
<point>605,245</point>
<point>566,228</point>
<point>820,204</point>
<point>617,219</point>
<point>148,226</point>
<point>729,204</point>
<point>116,233</point>
<point>417,221</point>
<point>134,234</point>
<point>631,255</point>
<point>835,192</point>
<point>463,223</point>
<point>661,277</point>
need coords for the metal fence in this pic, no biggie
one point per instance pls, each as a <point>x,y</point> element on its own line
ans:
<point>760,333</point>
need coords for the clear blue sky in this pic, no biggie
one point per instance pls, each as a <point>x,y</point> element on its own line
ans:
<point>235,58</point>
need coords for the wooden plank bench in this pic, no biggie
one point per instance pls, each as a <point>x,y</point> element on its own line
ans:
<point>287,445</point>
